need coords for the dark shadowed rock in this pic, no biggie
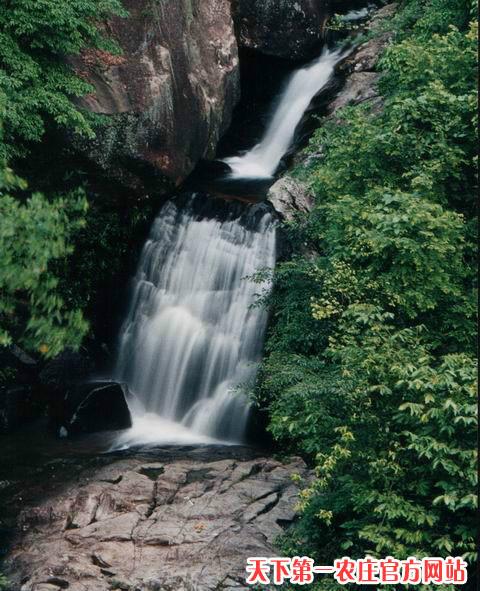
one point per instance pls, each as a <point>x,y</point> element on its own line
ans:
<point>169,96</point>
<point>97,406</point>
<point>19,404</point>
<point>19,390</point>
<point>59,377</point>
<point>291,29</point>
<point>66,370</point>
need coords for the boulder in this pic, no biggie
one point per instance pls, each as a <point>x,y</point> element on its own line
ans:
<point>290,197</point>
<point>20,402</point>
<point>359,88</point>
<point>282,28</point>
<point>359,70</point>
<point>97,406</point>
<point>169,96</point>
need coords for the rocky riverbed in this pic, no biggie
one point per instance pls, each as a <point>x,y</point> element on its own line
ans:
<point>158,519</point>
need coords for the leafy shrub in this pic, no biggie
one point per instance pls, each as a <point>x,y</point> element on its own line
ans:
<point>33,234</point>
<point>37,229</point>
<point>35,38</point>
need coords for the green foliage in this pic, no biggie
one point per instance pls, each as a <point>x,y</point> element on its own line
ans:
<point>35,38</point>
<point>35,232</point>
<point>4,584</point>
<point>370,366</point>
<point>38,228</point>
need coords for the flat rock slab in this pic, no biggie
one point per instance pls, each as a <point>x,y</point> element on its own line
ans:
<point>147,523</point>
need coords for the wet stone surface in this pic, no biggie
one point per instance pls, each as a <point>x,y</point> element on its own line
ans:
<point>166,519</point>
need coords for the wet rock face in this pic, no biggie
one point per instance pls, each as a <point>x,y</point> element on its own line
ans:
<point>149,525</point>
<point>292,29</point>
<point>361,82</point>
<point>171,93</point>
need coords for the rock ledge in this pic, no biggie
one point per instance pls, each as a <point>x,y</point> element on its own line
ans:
<point>142,524</point>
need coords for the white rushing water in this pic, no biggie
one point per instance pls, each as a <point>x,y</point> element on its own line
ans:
<point>192,336</point>
<point>264,158</point>
<point>356,15</point>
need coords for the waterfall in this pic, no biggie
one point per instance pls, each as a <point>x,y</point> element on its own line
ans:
<point>193,335</point>
<point>357,15</point>
<point>264,158</point>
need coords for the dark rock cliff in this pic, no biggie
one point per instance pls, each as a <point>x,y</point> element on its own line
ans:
<point>168,97</point>
<point>291,29</point>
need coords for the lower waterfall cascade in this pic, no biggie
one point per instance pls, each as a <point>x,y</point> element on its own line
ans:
<point>193,335</point>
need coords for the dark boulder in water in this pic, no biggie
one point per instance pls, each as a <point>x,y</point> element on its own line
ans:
<point>97,406</point>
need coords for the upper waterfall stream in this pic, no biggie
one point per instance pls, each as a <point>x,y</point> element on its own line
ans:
<point>264,158</point>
